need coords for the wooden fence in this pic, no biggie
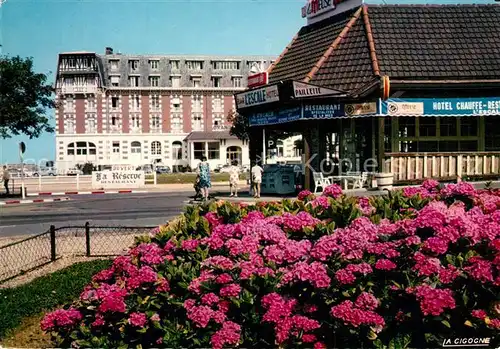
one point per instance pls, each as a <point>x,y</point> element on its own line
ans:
<point>409,167</point>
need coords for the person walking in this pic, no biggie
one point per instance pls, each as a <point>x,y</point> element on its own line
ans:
<point>256,179</point>
<point>204,174</point>
<point>6,179</point>
<point>234,177</point>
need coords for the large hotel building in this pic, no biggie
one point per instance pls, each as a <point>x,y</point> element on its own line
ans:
<point>117,109</point>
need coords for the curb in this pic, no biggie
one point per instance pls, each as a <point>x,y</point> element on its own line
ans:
<point>34,201</point>
<point>96,192</point>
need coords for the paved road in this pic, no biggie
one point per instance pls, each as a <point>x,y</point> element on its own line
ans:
<point>107,210</point>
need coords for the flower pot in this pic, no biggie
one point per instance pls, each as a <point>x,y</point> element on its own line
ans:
<point>384,181</point>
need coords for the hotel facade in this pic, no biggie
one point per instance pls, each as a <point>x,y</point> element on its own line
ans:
<point>137,110</point>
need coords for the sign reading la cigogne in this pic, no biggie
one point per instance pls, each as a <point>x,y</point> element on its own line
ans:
<point>118,179</point>
<point>264,95</point>
<point>315,8</point>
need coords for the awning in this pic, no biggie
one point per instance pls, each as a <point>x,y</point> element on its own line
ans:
<point>440,107</point>
<point>209,136</point>
<point>313,111</point>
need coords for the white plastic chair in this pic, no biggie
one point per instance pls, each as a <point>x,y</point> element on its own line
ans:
<point>320,182</point>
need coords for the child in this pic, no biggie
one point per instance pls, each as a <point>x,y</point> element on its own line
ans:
<point>234,177</point>
<point>257,179</point>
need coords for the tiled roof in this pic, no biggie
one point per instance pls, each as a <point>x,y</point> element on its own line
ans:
<point>437,42</point>
<point>405,42</point>
<point>311,43</point>
<point>349,67</point>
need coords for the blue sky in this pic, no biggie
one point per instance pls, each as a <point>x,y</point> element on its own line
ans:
<point>43,28</point>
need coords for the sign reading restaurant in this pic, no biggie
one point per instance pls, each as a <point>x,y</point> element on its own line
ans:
<point>264,95</point>
<point>118,179</point>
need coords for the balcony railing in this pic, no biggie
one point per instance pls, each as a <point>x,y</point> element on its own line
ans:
<point>79,89</point>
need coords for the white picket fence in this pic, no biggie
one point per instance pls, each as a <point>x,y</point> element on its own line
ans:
<point>416,166</point>
<point>77,182</point>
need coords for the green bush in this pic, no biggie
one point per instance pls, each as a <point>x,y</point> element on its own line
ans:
<point>45,293</point>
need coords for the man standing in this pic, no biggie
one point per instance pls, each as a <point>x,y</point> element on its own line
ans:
<point>256,179</point>
<point>6,179</point>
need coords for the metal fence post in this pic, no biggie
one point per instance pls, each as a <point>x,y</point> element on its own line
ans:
<point>52,243</point>
<point>39,182</point>
<point>77,181</point>
<point>155,179</point>
<point>87,238</point>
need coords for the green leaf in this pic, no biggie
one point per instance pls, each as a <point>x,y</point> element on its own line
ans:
<point>446,323</point>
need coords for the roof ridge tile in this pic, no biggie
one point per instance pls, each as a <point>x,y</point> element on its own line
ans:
<point>333,46</point>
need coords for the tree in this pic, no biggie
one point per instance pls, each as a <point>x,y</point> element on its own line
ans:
<point>25,97</point>
<point>239,125</point>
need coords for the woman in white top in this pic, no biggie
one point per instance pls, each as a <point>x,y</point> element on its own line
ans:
<point>234,177</point>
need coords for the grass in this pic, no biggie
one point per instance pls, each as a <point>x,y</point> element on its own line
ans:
<point>189,178</point>
<point>22,307</point>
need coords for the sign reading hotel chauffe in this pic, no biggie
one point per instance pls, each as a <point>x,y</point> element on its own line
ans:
<point>441,106</point>
<point>315,10</point>
<point>264,95</point>
<point>118,179</point>
<point>302,90</point>
<point>360,109</point>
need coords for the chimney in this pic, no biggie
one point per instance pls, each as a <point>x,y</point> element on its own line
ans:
<point>109,50</point>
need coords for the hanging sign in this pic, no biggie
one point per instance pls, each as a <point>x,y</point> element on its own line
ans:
<point>316,10</point>
<point>442,107</point>
<point>361,109</point>
<point>264,95</point>
<point>302,90</point>
<point>259,79</point>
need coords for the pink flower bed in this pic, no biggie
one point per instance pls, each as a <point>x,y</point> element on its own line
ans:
<point>416,267</point>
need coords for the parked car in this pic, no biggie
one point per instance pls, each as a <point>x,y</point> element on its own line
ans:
<point>225,169</point>
<point>218,168</point>
<point>45,172</point>
<point>162,169</point>
<point>73,172</point>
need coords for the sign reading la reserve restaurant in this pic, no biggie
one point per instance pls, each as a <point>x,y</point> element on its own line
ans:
<point>118,179</point>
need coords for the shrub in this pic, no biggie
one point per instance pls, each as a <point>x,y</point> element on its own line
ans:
<point>409,269</point>
<point>45,293</point>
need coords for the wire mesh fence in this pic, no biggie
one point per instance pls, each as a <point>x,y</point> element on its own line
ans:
<point>25,255</point>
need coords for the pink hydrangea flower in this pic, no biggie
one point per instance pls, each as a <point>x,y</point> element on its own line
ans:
<point>479,314</point>
<point>367,301</point>
<point>137,319</point>
<point>304,194</point>
<point>60,318</point>
<point>354,316</point>
<point>190,245</point>
<point>480,269</point>
<point>333,191</point>
<point>231,290</point>
<point>385,264</point>
<point>434,301</point>
<point>229,334</point>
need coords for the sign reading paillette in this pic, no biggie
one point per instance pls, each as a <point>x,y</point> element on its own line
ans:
<point>118,179</point>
